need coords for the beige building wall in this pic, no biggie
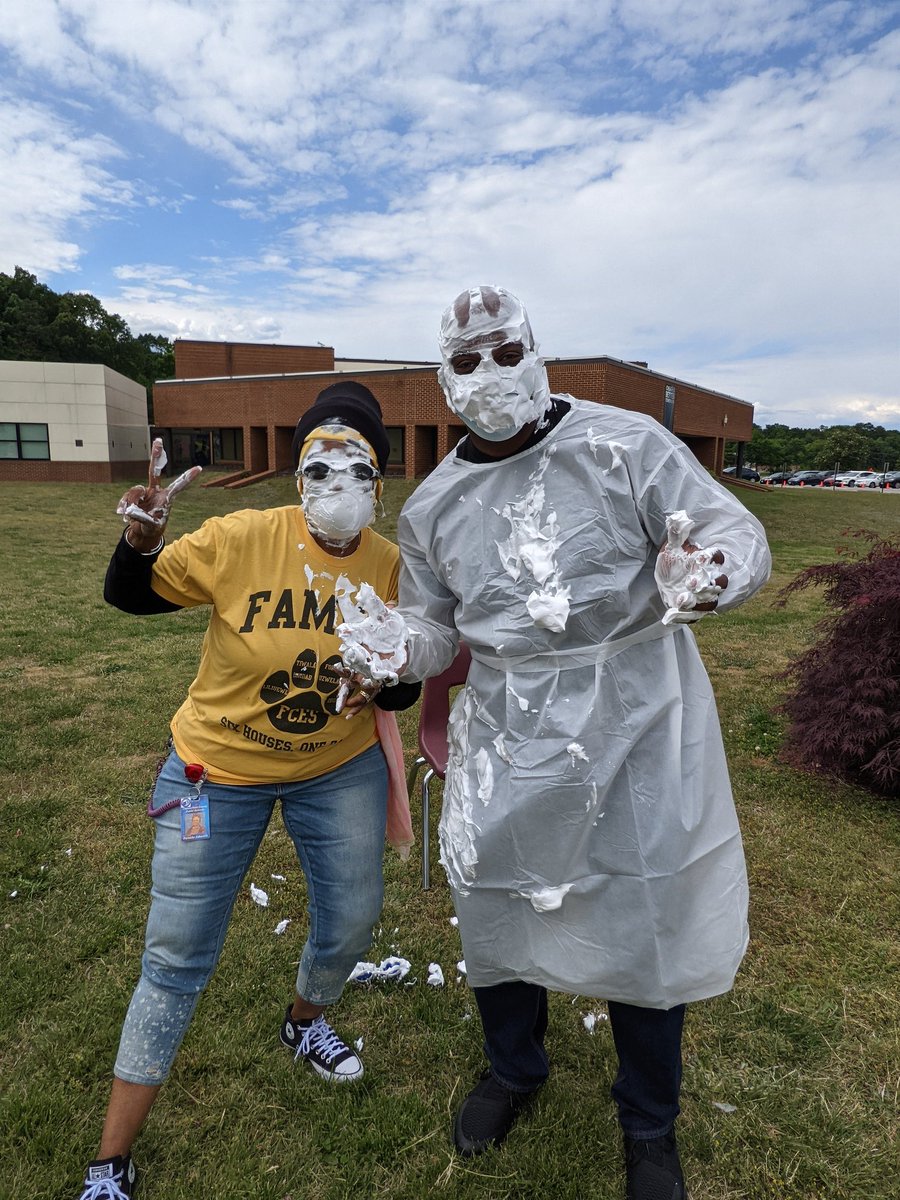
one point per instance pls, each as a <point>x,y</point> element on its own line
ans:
<point>377,364</point>
<point>96,419</point>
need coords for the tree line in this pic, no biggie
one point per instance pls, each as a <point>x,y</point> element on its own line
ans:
<point>40,325</point>
<point>854,447</point>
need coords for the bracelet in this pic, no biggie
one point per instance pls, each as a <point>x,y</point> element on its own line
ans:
<point>146,553</point>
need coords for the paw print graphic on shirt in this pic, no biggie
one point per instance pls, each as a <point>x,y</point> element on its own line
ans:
<point>293,705</point>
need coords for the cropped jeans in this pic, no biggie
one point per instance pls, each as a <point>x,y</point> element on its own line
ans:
<point>337,824</point>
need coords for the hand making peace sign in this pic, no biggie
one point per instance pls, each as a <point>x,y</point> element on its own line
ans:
<point>145,510</point>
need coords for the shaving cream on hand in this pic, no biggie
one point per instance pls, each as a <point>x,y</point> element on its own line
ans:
<point>373,636</point>
<point>685,578</point>
<point>145,510</point>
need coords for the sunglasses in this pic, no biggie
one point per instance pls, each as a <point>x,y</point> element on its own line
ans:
<point>318,471</point>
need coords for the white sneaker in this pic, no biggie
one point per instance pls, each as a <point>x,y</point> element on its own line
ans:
<point>317,1042</point>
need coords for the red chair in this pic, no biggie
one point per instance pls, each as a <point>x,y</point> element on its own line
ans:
<point>433,717</point>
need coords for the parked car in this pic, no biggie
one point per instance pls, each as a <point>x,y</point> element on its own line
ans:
<point>862,479</point>
<point>779,477</point>
<point>746,473</point>
<point>842,479</point>
<point>875,479</point>
<point>806,478</point>
<point>881,479</point>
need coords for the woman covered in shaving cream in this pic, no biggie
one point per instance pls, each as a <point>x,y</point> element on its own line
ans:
<point>262,723</point>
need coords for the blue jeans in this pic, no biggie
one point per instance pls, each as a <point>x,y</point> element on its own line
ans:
<point>647,1040</point>
<point>337,824</point>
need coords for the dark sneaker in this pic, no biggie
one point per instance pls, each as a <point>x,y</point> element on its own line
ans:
<point>317,1042</point>
<point>486,1115</point>
<point>109,1179</point>
<point>652,1169</point>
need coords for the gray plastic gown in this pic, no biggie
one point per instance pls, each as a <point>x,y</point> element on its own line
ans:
<point>588,830</point>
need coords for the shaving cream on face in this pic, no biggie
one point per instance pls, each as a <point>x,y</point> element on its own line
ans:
<point>497,402</point>
<point>339,506</point>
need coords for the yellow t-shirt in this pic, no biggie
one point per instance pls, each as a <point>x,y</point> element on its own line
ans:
<point>261,709</point>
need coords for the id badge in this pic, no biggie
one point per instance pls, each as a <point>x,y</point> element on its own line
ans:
<point>194,818</point>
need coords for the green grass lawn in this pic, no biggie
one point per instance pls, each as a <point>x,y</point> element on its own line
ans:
<point>802,1054</point>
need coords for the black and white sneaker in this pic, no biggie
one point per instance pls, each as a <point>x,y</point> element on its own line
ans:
<point>109,1179</point>
<point>317,1042</point>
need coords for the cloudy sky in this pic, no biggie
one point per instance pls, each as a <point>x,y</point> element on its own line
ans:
<point>710,185</point>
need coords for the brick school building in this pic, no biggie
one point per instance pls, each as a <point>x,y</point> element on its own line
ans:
<point>234,405</point>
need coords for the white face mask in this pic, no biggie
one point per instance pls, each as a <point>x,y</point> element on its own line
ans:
<point>497,402</point>
<point>339,506</point>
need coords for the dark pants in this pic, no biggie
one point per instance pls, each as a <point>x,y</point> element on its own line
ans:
<point>648,1043</point>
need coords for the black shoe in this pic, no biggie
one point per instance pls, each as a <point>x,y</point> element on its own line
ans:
<point>317,1042</point>
<point>109,1179</point>
<point>486,1115</point>
<point>652,1169</point>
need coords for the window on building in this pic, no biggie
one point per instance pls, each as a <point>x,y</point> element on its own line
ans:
<point>396,455</point>
<point>228,445</point>
<point>24,439</point>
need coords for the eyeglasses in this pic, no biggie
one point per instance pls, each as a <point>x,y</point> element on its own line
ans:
<point>507,355</point>
<point>317,471</point>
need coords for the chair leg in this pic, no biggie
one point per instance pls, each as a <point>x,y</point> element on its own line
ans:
<point>413,772</point>
<point>426,850</point>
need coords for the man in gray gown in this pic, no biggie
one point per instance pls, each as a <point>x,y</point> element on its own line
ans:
<point>588,829</point>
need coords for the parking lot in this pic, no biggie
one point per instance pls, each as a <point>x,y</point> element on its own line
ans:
<point>887,490</point>
<point>826,491</point>
<point>868,480</point>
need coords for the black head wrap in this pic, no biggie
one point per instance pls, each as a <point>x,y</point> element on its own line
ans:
<point>353,404</point>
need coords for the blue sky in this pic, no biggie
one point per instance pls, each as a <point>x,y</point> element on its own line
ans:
<point>713,187</point>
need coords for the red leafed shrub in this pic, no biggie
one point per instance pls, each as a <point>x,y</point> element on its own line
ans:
<point>844,705</point>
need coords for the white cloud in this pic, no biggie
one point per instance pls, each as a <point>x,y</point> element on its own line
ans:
<point>158,276</point>
<point>812,388</point>
<point>692,182</point>
<point>51,181</point>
